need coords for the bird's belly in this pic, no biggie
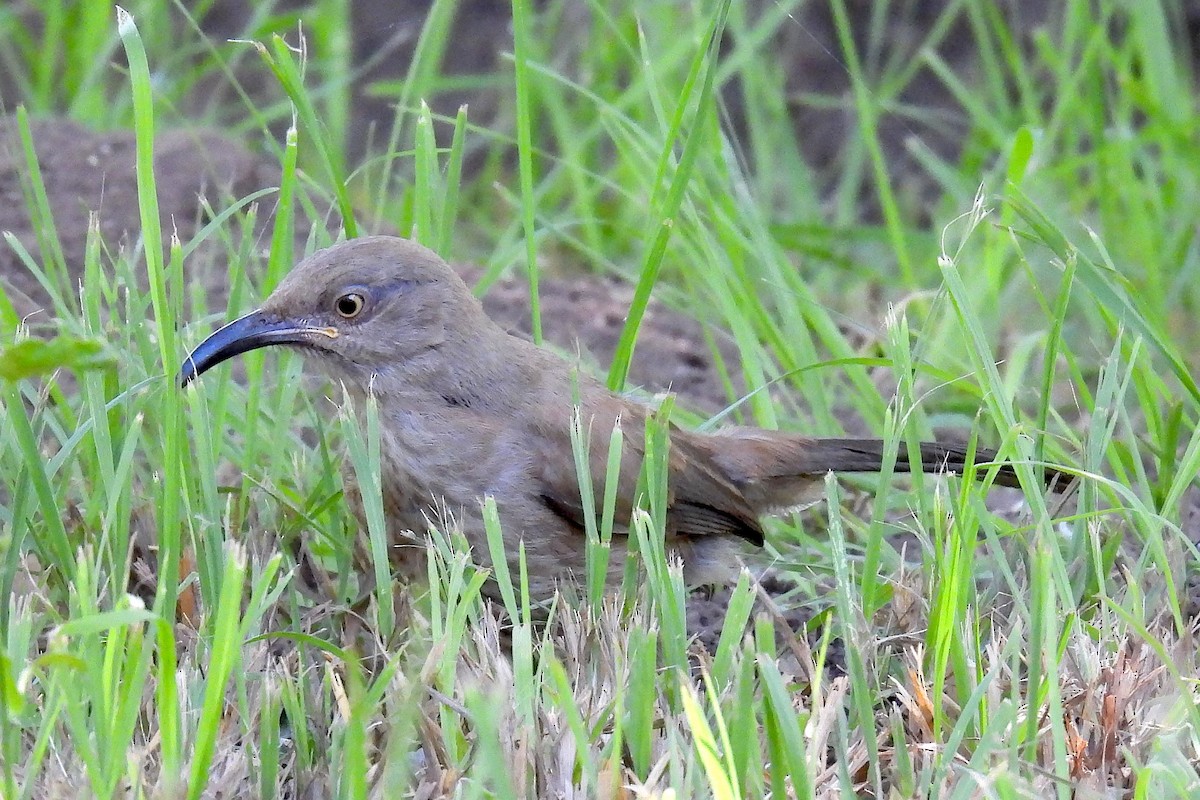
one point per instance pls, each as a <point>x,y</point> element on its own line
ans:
<point>437,472</point>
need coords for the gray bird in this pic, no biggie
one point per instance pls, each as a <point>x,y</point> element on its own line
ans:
<point>468,410</point>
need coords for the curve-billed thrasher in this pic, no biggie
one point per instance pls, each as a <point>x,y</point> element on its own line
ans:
<point>468,410</point>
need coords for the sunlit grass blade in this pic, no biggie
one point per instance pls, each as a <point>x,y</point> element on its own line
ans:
<point>165,314</point>
<point>722,779</point>
<point>278,57</point>
<point>361,429</point>
<point>664,216</point>
<point>523,53</point>
<point>48,239</point>
<point>784,735</point>
<point>55,546</point>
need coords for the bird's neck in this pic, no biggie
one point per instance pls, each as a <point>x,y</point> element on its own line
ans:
<point>487,371</point>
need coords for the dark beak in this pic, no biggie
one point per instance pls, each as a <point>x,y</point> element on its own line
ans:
<point>256,329</point>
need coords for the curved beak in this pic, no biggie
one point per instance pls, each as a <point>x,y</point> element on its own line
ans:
<point>256,329</point>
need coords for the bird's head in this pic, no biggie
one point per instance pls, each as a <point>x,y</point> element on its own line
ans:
<point>362,308</point>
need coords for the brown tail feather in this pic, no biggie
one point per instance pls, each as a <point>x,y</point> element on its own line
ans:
<point>773,460</point>
<point>866,455</point>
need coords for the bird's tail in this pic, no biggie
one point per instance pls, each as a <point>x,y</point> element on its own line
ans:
<point>779,466</point>
<point>866,455</point>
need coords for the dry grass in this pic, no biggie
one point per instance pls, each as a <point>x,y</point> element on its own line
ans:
<point>1126,696</point>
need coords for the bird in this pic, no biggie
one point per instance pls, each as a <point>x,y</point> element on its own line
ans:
<point>468,411</point>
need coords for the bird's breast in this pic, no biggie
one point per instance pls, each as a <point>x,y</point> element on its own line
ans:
<point>454,456</point>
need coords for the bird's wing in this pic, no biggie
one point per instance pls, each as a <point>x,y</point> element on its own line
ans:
<point>706,501</point>
<point>700,500</point>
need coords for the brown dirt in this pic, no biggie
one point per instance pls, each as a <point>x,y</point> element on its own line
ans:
<point>88,173</point>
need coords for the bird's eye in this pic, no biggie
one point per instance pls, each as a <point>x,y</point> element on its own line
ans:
<point>350,305</point>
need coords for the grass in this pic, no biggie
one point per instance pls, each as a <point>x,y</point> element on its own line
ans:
<point>1035,292</point>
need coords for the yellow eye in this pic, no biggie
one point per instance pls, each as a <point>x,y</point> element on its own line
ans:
<point>350,305</point>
